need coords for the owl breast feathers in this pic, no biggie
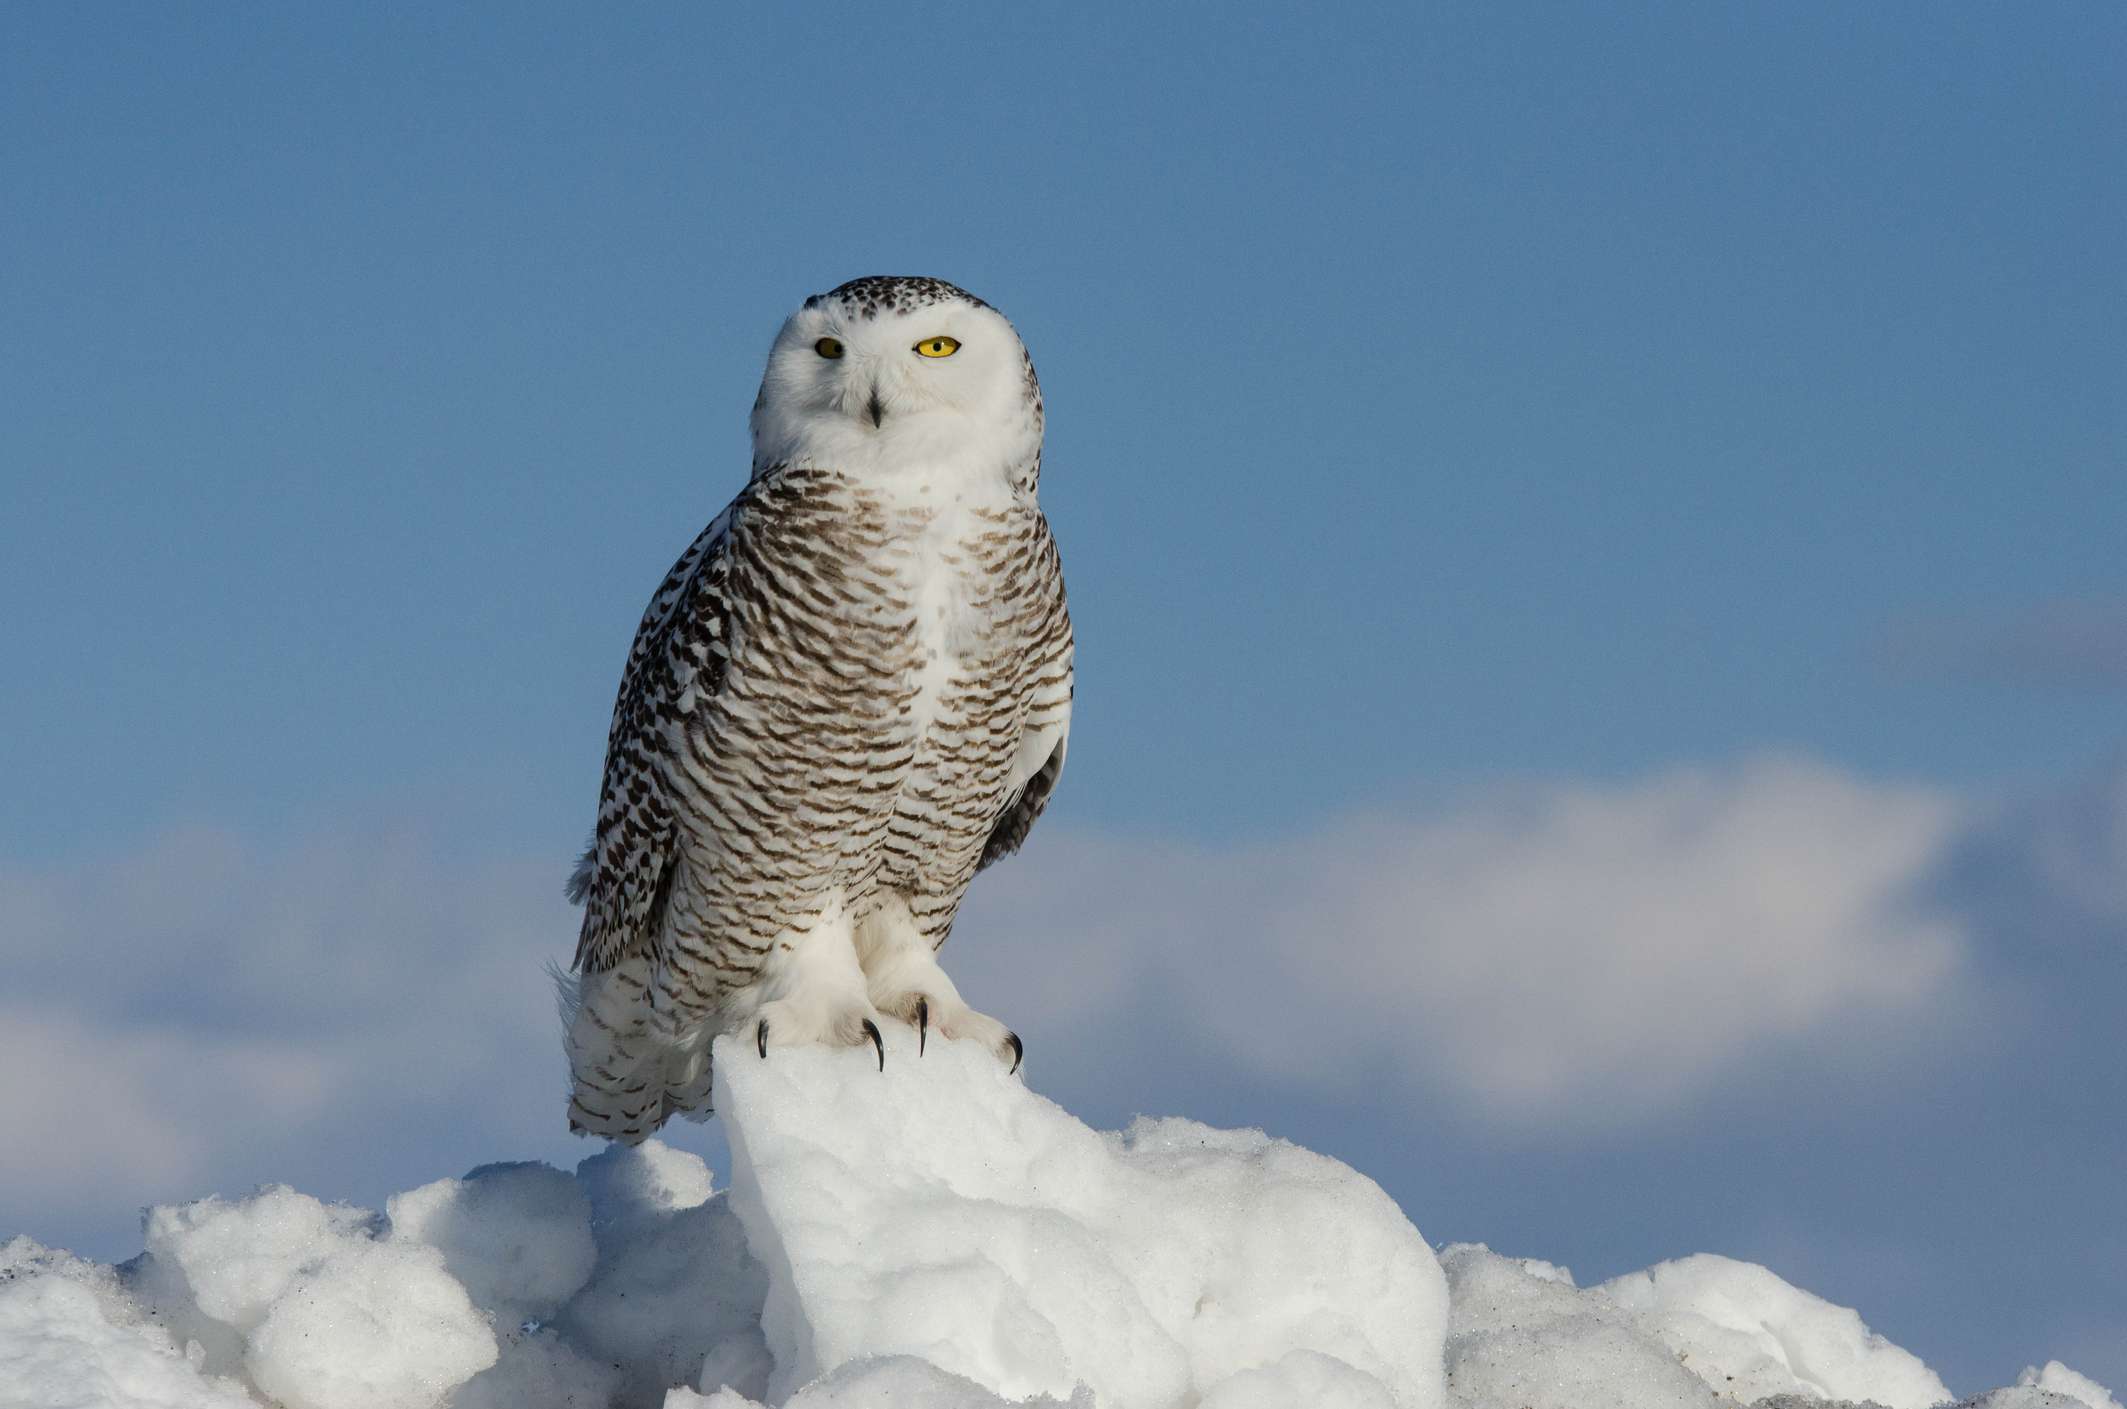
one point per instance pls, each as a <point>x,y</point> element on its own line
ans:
<point>850,694</point>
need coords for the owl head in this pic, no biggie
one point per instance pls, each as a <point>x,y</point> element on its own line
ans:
<point>885,374</point>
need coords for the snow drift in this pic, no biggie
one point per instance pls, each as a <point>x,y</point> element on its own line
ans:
<point>935,1234</point>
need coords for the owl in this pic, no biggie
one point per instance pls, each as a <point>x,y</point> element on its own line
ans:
<point>851,693</point>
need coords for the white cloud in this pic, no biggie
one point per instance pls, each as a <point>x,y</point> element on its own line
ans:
<point>87,1103</point>
<point>208,1009</point>
<point>1574,953</point>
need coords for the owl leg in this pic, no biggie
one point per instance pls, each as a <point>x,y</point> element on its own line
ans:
<point>810,990</point>
<point>904,981</point>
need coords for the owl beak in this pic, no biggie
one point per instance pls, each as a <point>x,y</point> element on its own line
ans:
<point>875,408</point>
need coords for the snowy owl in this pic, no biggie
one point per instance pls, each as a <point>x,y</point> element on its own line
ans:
<point>850,694</point>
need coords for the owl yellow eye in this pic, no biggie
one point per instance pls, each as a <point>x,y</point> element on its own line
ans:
<point>938,347</point>
<point>828,348</point>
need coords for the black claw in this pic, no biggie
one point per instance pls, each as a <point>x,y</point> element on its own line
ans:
<point>1019,1050</point>
<point>923,1023</point>
<point>871,1030</point>
<point>760,1037</point>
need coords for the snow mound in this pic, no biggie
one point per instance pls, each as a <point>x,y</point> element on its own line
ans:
<point>70,1339</point>
<point>935,1235</point>
<point>1746,1332</point>
<point>2019,1397</point>
<point>310,1304</point>
<point>1522,1336</point>
<point>874,1383</point>
<point>939,1209</point>
<point>516,1236</point>
<point>676,1295</point>
<point>2054,1387</point>
<point>2057,1378</point>
<point>1695,1331</point>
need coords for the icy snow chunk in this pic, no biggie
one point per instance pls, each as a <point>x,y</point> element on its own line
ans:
<point>376,1326</point>
<point>538,1371</point>
<point>22,1258</point>
<point>628,1187</point>
<point>1675,1335</point>
<point>213,1267</point>
<point>681,1397</point>
<point>881,1382</point>
<point>2057,1378</point>
<point>69,1339</point>
<point>1749,1334</point>
<point>2018,1397</point>
<point>1544,1271</point>
<point>229,1259</point>
<point>676,1297</point>
<point>300,1298</point>
<point>1300,1377</point>
<point>516,1236</point>
<point>941,1210</point>
<point>1520,1336</point>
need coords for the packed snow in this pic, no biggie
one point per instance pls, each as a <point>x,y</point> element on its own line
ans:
<point>933,1235</point>
<point>1006,1242</point>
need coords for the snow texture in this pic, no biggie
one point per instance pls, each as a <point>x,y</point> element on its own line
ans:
<point>1521,1336</point>
<point>1743,1329</point>
<point>2053,1387</point>
<point>1010,1244</point>
<point>516,1236</point>
<point>935,1235</point>
<point>2056,1378</point>
<point>875,1383</point>
<point>70,1339</point>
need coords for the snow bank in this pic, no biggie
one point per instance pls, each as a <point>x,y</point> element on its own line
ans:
<point>311,1304</point>
<point>1005,1242</point>
<point>71,1339</point>
<point>1744,1330</point>
<point>2056,1378</point>
<point>2054,1387</point>
<point>1521,1336</point>
<point>676,1295</point>
<point>1685,1333</point>
<point>936,1235</point>
<point>872,1383</point>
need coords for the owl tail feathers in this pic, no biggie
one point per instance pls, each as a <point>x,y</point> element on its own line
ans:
<point>630,1072</point>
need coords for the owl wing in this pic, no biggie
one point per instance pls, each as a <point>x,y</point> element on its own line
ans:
<point>1048,723</point>
<point>1025,806</point>
<point>677,660</point>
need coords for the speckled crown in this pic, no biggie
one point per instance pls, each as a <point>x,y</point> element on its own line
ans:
<point>892,293</point>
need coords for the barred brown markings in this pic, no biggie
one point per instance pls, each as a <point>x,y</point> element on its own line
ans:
<point>800,727</point>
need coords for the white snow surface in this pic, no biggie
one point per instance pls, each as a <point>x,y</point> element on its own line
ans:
<point>2056,1378</point>
<point>1764,1337</point>
<point>1006,1242</point>
<point>933,1235</point>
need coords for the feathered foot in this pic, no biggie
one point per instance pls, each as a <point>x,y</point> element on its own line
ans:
<point>903,981</point>
<point>797,1022</point>
<point>928,1010</point>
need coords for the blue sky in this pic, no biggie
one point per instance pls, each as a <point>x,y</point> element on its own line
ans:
<point>1523,446</point>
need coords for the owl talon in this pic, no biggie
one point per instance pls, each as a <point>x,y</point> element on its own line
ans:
<point>871,1030</point>
<point>760,1038</point>
<point>1019,1050</point>
<point>923,1023</point>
